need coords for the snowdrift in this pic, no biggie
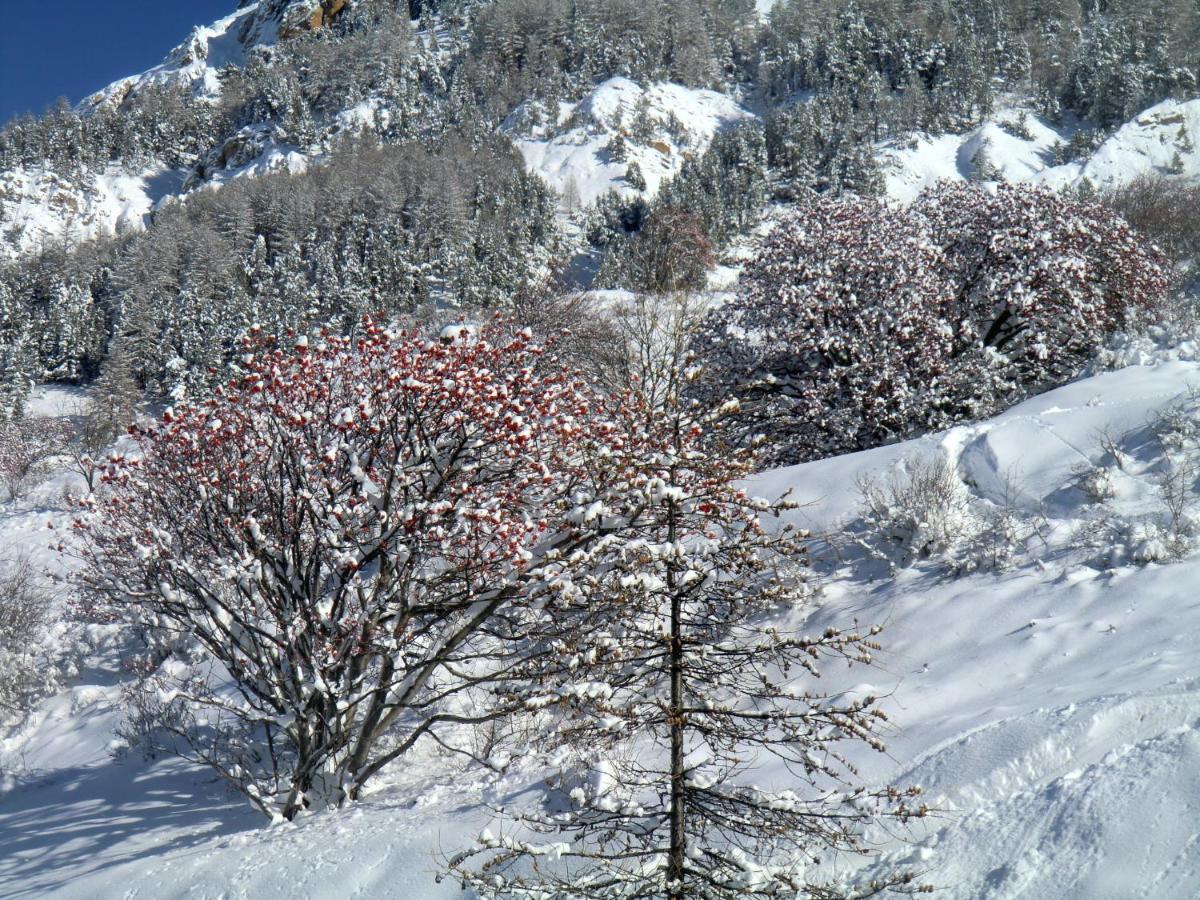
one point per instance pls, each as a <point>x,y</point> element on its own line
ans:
<point>1050,709</point>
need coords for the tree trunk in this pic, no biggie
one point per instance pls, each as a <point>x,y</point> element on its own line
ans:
<point>678,844</point>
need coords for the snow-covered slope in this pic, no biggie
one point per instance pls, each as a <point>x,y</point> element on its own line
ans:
<point>1051,710</point>
<point>197,61</point>
<point>1162,140</point>
<point>571,148</point>
<point>39,207</point>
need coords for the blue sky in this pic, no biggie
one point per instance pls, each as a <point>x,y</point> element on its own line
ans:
<point>69,48</point>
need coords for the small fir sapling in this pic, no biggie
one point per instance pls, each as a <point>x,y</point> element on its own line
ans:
<point>672,668</point>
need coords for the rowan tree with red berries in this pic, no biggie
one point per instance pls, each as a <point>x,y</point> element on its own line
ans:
<point>323,545</point>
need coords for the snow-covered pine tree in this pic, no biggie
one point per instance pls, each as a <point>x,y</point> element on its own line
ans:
<point>689,756</point>
<point>18,361</point>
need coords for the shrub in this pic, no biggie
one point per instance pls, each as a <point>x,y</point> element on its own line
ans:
<point>321,542</point>
<point>924,513</point>
<point>1039,283</point>
<point>834,339</point>
<point>26,446</point>
<point>671,252</point>
<point>1165,210</point>
<point>26,668</point>
<point>858,323</point>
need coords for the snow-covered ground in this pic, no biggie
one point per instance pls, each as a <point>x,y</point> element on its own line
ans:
<point>570,147</point>
<point>1163,140</point>
<point>1051,710</point>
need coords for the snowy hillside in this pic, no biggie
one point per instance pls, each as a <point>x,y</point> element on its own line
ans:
<point>657,128</point>
<point>1048,708</point>
<point>1160,141</point>
<point>38,207</point>
<point>581,149</point>
<point>197,62</point>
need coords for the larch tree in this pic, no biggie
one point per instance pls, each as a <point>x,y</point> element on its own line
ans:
<point>672,672</point>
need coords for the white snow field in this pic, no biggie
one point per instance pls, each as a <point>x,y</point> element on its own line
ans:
<point>568,147</point>
<point>1147,144</point>
<point>1050,709</point>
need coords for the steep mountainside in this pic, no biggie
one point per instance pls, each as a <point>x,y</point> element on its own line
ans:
<point>301,166</point>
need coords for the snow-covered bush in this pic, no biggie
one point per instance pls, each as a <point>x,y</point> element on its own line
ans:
<point>1097,483</point>
<point>834,340</point>
<point>1039,283</point>
<point>27,668</point>
<point>26,446</point>
<point>669,252</point>
<point>321,543</point>
<point>1165,210</point>
<point>922,513</point>
<point>858,323</point>
<point>1158,525</point>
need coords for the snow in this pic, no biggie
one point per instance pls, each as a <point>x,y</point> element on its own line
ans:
<point>1147,144</point>
<point>1049,710</point>
<point>39,207</point>
<point>570,152</point>
<point>197,61</point>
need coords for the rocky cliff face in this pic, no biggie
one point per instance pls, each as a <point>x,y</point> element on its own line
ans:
<point>287,18</point>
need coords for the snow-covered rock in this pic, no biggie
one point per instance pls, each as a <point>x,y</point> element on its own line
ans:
<point>39,207</point>
<point>571,147</point>
<point>1163,140</point>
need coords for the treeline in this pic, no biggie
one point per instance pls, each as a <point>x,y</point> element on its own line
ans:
<point>882,66</point>
<point>379,228</point>
<point>395,227</point>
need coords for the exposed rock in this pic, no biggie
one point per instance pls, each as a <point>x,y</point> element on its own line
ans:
<point>237,151</point>
<point>308,15</point>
